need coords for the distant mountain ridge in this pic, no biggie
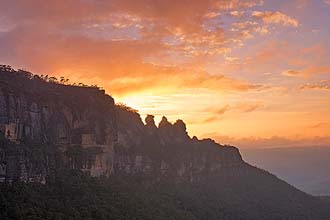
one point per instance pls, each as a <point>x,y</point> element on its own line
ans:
<point>49,129</point>
<point>307,168</point>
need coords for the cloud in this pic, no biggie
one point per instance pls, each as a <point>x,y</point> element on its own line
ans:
<point>210,119</point>
<point>181,25</point>
<point>321,124</point>
<point>215,114</point>
<point>111,42</point>
<point>326,2</point>
<point>218,113</point>
<point>307,71</point>
<point>249,107</point>
<point>277,17</point>
<point>291,73</point>
<point>222,110</point>
<point>212,14</point>
<point>174,78</point>
<point>314,50</point>
<point>237,13</point>
<point>234,4</point>
<point>238,108</point>
<point>117,65</point>
<point>322,85</point>
<point>272,142</point>
<point>275,55</point>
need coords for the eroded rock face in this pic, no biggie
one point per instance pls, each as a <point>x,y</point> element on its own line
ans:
<point>46,126</point>
<point>168,152</point>
<point>77,123</point>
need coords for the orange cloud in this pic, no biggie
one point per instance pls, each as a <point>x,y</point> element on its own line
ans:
<point>173,78</point>
<point>222,110</point>
<point>273,142</point>
<point>249,107</point>
<point>216,114</point>
<point>276,18</point>
<point>321,124</point>
<point>282,57</point>
<point>239,107</point>
<point>112,41</point>
<point>291,73</point>
<point>237,13</point>
<point>182,23</point>
<point>234,4</point>
<point>117,63</point>
<point>308,71</point>
<point>210,119</point>
<point>322,85</point>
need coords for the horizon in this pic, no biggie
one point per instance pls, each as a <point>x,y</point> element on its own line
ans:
<point>243,73</point>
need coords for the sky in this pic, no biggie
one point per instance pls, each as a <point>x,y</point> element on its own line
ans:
<point>253,72</point>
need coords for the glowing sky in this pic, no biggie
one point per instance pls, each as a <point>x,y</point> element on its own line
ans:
<point>231,69</point>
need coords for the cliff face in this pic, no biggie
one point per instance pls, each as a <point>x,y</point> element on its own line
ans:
<point>36,116</point>
<point>46,126</point>
<point>167,151</point>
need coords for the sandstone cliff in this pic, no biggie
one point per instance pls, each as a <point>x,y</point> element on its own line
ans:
<point>46,126</point>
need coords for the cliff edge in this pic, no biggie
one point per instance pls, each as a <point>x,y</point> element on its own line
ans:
<point>46,125</point>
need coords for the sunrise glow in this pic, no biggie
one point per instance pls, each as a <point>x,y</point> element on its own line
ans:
<point>233,70</point>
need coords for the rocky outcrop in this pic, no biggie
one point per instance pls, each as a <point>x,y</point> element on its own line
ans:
<point>46,126</point>
<point>167,151</point>
<point>47,118</point>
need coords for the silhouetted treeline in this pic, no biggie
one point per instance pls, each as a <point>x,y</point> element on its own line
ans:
<point>7,72</point>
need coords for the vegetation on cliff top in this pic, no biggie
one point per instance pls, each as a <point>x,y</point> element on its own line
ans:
<point>21,74</point>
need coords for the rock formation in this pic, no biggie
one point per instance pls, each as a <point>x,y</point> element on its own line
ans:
<point>37,115</point>
<point>82,128</point>
<point>167,150</point>
<point>50,132</point>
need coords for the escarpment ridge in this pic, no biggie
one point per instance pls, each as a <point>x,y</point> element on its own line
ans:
<point>81,127</point>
